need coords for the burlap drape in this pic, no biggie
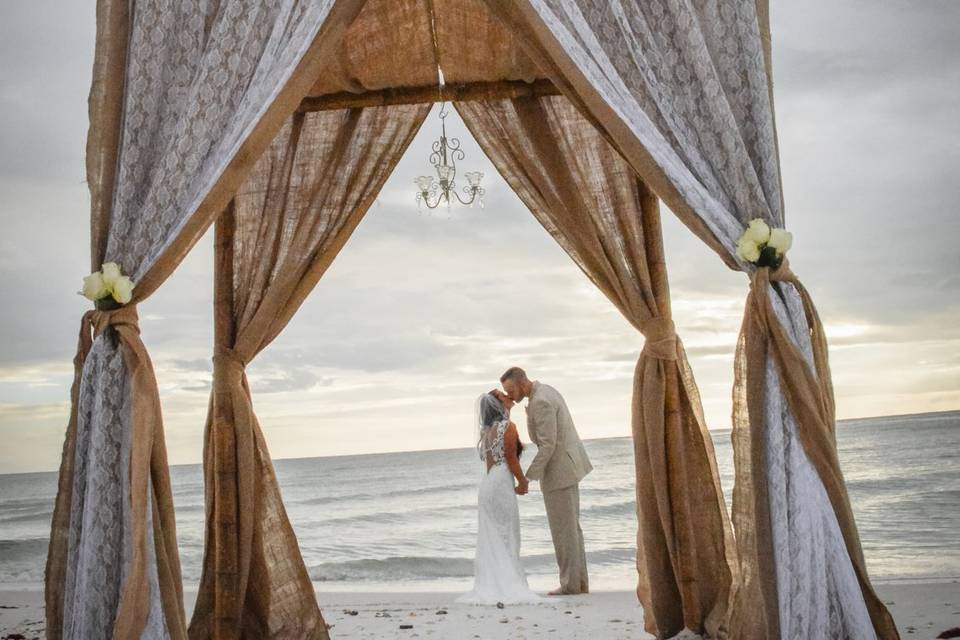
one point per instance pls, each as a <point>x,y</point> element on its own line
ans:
<point>145,215</point>
<point>809,393</point>
<point>105,110</point>
<point>591,201</point>
<point>285,226</point>
<point>105,105</point>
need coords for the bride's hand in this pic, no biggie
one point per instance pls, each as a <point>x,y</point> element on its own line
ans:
<point>522,487</point>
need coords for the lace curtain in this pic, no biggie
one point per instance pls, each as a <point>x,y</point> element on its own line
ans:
<point>590,200</point>
<point>680,89</point>
<point>285,226</point>
<point>683,91</point>
<point>184,96</point>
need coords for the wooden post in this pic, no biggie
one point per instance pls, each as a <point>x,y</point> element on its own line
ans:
<point>226,535</point>
<point>465,92</point>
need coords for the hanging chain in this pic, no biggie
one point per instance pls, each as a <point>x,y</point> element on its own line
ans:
<point>445,151</point>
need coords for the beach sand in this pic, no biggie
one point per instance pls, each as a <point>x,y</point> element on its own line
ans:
<point>921,611</point>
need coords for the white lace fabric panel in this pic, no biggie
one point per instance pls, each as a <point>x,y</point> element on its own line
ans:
<point>819,595</point>
<point>99,551</point>
<point>95,541</point>
<point>199,77</point>
<point>689,79</point>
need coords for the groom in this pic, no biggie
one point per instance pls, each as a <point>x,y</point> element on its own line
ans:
<point>561,462</point>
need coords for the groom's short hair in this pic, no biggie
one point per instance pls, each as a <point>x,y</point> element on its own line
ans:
<point>513,373</point>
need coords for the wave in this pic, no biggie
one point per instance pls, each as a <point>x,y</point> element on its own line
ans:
<point>401,515</point>
<point>43,514</point>
<point>349,497</point>
<point>431,568</point>
<point>402,568</point>
<point>445,488</point>
<point>392,496</point>
<point>26,547</point>
<point>621,508</point>
<point>22,560</point>
<point>404,514</point>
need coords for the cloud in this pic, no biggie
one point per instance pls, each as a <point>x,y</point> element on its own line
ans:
<point>423,310</point>
<point>286,380</point>
<point>33,411</point>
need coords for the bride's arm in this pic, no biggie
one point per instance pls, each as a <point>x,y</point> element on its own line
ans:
<point>510,441</point>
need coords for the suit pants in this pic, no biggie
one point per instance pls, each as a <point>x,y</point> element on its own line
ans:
<point>563,515</point>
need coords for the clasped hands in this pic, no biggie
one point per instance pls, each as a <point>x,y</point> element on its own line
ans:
<point>523,486</point>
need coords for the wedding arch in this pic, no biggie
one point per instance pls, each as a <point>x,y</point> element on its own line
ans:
<point>279,122</point>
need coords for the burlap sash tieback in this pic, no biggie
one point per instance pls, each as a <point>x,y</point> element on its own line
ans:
<point>233,410</point>
<point>660,339</point>
<point>230,363</point>
<point>809,395</point>
<point>147,452</point>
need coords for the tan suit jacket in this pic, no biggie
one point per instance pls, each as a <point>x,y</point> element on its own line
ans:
<point>561,459</point>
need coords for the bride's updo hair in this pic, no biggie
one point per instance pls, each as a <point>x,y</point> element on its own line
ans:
<point>493,411</point>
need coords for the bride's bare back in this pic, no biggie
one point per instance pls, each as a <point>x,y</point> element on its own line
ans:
<point>506,450</point>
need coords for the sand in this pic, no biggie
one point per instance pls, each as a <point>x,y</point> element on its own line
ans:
<point>921,611</point>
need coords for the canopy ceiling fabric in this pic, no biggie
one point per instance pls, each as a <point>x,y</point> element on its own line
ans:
<point>590,200</point>
<point>187,96</point>
<point>286,224</point>
<point>473,47</point>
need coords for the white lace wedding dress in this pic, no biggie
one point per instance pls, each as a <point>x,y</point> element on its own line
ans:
<point>498,575</point>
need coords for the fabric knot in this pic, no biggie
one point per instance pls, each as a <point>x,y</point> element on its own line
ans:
<point>783,272</point>
<point>228,361</point>
<point>122,317</point>
<point>661,339</point>
<point>780,274</point>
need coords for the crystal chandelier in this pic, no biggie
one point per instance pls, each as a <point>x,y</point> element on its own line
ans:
<point>434,191</point>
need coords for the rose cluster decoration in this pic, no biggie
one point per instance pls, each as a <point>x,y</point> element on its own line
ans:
<point>108,287</point>
<point>763,246</point>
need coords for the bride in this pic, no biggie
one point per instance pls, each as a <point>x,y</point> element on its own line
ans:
<point>498,576</point>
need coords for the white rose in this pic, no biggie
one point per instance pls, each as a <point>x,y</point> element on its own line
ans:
<point>111,273</point>
<point>123,289</point>
<point>781,240</point>
<point>94,287</point>
<point>758,231</point>
<point>747,249</point>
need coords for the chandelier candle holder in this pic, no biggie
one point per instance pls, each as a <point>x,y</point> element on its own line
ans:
<point>434,191</point>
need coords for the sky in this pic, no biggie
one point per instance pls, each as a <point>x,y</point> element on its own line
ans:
<point>421,312</point>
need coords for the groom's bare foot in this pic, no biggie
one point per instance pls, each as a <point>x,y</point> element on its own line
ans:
<point>557,592</point>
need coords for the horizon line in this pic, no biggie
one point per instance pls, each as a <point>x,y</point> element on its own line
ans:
<point>380,453</point>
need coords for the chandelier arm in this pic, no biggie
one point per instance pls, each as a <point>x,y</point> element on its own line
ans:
<point>473,196</point>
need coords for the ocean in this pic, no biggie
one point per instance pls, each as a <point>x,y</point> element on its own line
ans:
<point>384,522</point>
